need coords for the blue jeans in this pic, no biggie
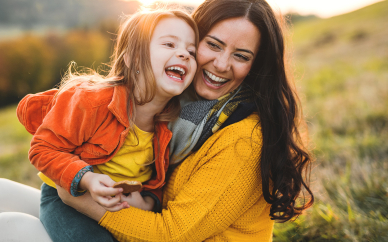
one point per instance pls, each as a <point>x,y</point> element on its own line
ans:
<point>64,223</point>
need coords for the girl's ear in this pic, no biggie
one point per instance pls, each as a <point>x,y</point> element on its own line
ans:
<point>126,59</point>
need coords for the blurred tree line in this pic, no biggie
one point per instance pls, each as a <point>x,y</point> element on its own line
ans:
<point>294,17</point>
<point>64,13</point>
<point>34,62</point>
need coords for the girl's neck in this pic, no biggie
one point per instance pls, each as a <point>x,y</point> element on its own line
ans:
<point>145,114</point>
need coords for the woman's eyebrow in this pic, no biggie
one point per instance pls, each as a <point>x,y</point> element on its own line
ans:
<point>223,43</point>
<point>248,51</point>
<point>214,37</point>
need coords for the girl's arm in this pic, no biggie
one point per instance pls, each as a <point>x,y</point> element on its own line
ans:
<point>223,182</point>
<point>64,132</point>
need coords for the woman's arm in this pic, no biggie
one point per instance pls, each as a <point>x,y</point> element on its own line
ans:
<point>85,204</point>
<point>88,206</point>
<point>221,183</point>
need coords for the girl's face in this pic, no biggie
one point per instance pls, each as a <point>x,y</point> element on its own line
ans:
<point>225,57</point>
<point>172,51</point>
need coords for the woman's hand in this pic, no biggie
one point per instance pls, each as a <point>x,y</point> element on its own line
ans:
<point>86,205</point>
<point>134,199</point>
<point>83,204</point>
<point>101,189</point>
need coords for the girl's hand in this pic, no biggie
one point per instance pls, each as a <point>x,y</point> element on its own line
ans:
<point>101,190</point>
<point>85,204</point>
<point>134,199</point>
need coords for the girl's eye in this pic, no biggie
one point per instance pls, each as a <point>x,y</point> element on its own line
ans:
<point>192,53</point>
<point>213,45</point>
<point>242,57</point>
<point>169,44</point>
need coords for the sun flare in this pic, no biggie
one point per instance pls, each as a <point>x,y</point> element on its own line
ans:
<point>146,2</point>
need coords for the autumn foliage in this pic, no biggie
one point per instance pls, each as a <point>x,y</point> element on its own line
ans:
<point>33,63</point>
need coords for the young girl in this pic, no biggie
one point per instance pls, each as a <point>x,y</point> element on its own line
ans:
<point>113,125</point>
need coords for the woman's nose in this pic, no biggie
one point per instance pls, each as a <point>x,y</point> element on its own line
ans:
<point>221,62</point>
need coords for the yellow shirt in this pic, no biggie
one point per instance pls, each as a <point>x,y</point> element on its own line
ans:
<point>129,163</point>
<point>213,195</point>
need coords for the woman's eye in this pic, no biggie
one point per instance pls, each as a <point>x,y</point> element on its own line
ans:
<point>242,57</point>
<point>213,45</point>
<point>171,45</point>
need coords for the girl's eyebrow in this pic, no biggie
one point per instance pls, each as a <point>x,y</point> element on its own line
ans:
<point>223,43</point>
<point>174,37</point>
<point>169,36</point>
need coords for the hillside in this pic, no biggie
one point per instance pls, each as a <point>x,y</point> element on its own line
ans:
<point>341,72</point>
<point>354,36</point>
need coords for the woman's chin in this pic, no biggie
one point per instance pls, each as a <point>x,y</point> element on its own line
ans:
<point>206,93</point>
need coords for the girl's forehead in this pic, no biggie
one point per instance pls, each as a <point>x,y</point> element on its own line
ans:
<point>174,27</point>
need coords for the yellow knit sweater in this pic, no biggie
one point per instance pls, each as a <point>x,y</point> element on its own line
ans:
<point>214,195</point>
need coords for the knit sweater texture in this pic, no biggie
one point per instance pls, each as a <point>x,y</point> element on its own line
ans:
<point>214,195</point>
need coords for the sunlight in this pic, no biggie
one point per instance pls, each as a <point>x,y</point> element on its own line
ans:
<point>146,2</point>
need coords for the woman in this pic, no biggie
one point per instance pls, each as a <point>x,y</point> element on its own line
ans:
<point>247,173</point>
<point>237,181</point>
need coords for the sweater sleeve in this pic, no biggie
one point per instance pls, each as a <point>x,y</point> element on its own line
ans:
<point>223,183</point>
<point>156,194</point>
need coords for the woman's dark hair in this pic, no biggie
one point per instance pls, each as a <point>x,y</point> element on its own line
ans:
<point>285,161</point>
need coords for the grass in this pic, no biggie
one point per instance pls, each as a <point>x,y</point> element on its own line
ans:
<point>342,67</point>
<point>14,146</point>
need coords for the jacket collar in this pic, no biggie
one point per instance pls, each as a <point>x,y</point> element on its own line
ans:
<point>118,105</point>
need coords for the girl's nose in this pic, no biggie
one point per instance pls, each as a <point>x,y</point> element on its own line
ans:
<point>183,54</point>
<point>221,62</point>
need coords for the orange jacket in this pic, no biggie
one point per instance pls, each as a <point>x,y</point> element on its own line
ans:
<point>83,127</point>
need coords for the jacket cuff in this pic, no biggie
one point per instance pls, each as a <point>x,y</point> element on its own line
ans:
<point>158,204</point>
<point>74,191</point>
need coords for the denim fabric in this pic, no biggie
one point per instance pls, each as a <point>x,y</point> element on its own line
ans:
<point>74,184</point>
<point>64,223</point>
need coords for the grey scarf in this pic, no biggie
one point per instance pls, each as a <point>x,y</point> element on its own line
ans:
<point>199,119</point>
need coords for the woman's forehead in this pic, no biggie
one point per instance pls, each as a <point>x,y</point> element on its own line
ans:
<point>239,32</point>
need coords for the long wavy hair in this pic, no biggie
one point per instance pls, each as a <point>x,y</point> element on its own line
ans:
<point>130,63</point>
<point>285,161</point>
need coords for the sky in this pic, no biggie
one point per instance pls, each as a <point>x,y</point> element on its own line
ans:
<point>322,8</point>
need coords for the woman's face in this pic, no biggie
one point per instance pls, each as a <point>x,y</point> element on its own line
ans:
<point>225,56</point>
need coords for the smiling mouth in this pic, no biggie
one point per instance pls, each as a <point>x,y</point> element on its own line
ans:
<point>176,72</point>
<point>214,80</point>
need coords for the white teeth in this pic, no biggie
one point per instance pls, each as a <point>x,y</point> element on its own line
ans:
<point>216,85</point>
<point>178,78</point>
<point>215,78</point>
<point>181,70</point>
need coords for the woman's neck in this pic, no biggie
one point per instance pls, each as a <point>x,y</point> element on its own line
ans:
<point>145,114</point>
